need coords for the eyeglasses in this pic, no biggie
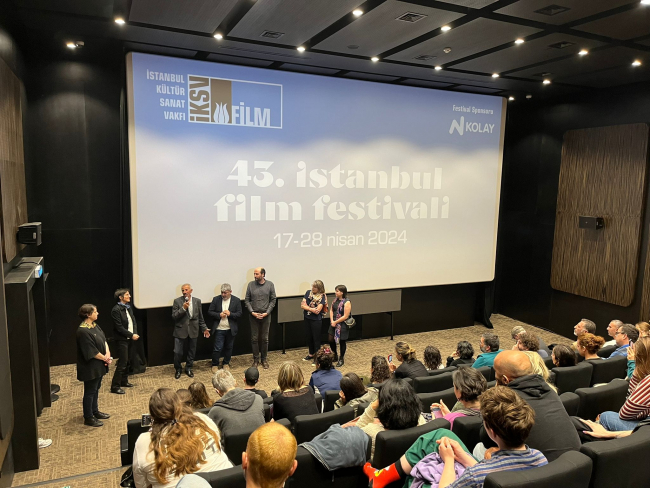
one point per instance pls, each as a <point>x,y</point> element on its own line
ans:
<point>619,332</point>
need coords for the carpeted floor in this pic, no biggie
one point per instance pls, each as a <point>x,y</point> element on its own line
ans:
<point>78,450</point>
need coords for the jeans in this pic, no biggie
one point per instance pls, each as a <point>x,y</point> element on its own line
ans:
<point>612,422</point>
<point>178,352</point>
<point>91,393</point>
<point>312,331</point>
<point>121,375</point>
<point>223,341</point>
<point>260,334</point>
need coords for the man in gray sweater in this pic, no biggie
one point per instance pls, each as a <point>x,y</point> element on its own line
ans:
<point>260,300</point>
<point>237,408</point>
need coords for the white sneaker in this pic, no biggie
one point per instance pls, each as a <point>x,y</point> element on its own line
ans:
<point>43,443</point>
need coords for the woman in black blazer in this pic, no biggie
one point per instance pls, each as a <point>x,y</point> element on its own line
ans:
<point>93,358</point>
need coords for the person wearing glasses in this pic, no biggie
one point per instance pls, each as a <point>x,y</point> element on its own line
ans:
<point>226,310</point>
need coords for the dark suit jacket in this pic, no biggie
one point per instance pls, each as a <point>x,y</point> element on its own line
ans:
<point>121,329</point>
<point>235,312</point>
<point>184,324</point>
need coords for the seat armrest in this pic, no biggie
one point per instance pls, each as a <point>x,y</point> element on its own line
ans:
<point>124,450</point>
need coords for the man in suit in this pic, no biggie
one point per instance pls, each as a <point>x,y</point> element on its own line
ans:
<point>188,318</point>
<point>125,332</point>
<point>226,310</point>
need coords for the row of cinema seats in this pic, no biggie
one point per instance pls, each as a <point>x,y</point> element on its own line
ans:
<point>590,373</point>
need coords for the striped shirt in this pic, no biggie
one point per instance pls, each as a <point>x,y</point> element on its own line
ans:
<point>474,477</point>
<point>637,405</point>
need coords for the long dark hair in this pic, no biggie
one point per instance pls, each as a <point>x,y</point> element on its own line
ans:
<point>380,371</point>
<point>564,355</point>
<point>399,407</point>
<point>432,358</point>
<point>200,398</point>
<point>352,387</point>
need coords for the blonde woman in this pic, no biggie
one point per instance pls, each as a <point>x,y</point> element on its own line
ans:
<point>410,367</point>
<point>539,367</point>
<point>314,305</point>
<point>643,328</point>
<point>294,397</point>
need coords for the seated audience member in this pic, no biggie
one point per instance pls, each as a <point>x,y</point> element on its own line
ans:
<point>464,354</point>
<point>270,457</point>
<point>180,442</point>
<point>490,348</point>
<point>637,405</point>
<point>539,367</point>
<point>624,334</point>
<point>432,358</point>
<point>594,429</point>
<point>518,329</point>
<point>527,341</point>
<point>185,397</point>
<point>643,328</point>
<point>585,325</point>
<point>326,377</point>
<point>200,398</point>
<point>353,393</point>
<point>588,346</point>
<point>292,398</point>
<point>612,328</point>
<point>508,421</point>
<point>563,356</point>
<point>397,408</point>
<point>237,408</point>
<point>553,433</point>
<point>251,377</point>
<point>379,371</point>
<point>410,367</point>
<point>469,384</point>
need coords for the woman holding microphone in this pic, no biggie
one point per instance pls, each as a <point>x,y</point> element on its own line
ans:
<point>313,305</point>
<point>93,358</point>
<point>338,332</point>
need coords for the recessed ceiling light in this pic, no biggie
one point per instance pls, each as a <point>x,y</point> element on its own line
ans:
<point>636,62</point>
<point>529,97</point>
<point>374,59</point>
<point>301,49</point>
<point>445,28</point>
<point>218,36</point>
<point>438,68</point>
<point>71,45</point>
<point>519,41</point>
<point>546,82</point>
<point>645,2</point>
<point>357,13</point>
<point>511,99</point>
<point>583,52</point>
<point>495,75</point>
<point>119,20</point>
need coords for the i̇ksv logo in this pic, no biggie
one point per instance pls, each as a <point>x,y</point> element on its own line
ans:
<point>461,127</point>
<point>234,102</point>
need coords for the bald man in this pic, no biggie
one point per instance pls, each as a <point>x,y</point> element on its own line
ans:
<point>553,433</point>
<point>270,456</point>
<point>260,301</point>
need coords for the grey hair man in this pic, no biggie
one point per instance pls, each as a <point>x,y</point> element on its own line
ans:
<point>612,328</point>
<point>237,408</point>
<point>226,310</point>
<point>625,334</point>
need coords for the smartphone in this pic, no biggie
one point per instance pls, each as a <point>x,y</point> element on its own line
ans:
<point>390,358</point>
<point>146,420</point>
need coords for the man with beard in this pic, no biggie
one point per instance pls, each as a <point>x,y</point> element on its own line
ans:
<point>489,348</point>
<point>260,301</point>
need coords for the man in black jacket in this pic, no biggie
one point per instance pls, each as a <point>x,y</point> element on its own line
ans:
<point>226,311</point>
<point>125,332</point>
<point>552,433</point>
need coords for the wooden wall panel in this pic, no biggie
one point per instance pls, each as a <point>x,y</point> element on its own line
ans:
<point>12,164</point>
<point>603,174</point>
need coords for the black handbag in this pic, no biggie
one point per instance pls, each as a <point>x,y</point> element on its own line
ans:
<point>127,479</point>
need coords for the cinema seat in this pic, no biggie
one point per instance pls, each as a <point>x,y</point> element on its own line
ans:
<point>312,474</point>
<point>608,369</point>
<point>570,378</point>
<point>319,401</point>
<point>487,372</point>
<point>329,399</point>
<point>570,470</point>
<point>571,403</point>
<point>435,372</point>
<point>468,429</point>
<point>226,478</point>
<point>598,399</point>
<point>306,427</point>
<point>549,363</point>
<point>427,384</point>
<point>606,351</point>
<point>127,441</point>
<point>235,443</point>
<point>448,396</point>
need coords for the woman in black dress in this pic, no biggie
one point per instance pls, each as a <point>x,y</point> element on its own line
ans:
<point>313,305</point>
<point>93,358</point>
<point>338,332</point>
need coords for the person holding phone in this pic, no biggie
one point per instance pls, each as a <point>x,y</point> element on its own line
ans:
<point>93,358</point>
<point>338,332</point>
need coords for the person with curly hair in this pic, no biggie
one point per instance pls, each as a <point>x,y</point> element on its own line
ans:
<point>588,346</point>
<point>432,358</point>
<point>180,442</point>
<point>379,371</point>
<point>527,341</point>
<point>464,354</point>
<point>326,377</point>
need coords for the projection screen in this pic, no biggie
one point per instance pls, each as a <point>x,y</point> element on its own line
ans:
<point>370,185</point>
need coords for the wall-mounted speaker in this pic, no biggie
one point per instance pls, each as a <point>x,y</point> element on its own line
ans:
<point>29,233</point>
<point>591,222</point>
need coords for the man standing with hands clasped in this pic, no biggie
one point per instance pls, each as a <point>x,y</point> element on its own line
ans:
<point>125,332</point>
<point>188,317</point>
<point>260,301</point>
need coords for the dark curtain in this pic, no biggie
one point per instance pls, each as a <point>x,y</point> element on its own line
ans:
<point>484,303</point>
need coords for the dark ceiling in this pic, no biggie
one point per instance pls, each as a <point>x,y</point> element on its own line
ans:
<point>338,43</point>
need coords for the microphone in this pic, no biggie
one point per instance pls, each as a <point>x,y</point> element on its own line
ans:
<point>187,299</point>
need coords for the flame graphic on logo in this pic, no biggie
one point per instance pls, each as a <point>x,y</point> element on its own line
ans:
<point>221,115</point>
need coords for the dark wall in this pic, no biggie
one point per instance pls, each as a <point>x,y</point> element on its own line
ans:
<point>529,187</point>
